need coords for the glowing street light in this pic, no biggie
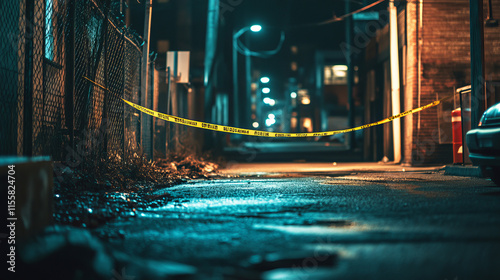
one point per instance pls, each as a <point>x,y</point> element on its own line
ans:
<point>293,95</point>
<point>256,28</point>
<point>271,116</point>
<point>265,80</point>
<point>269,101</point>
<point>266,90</point>
<point>255,125</point>
<point>236,50</point>
<point>270,122</point>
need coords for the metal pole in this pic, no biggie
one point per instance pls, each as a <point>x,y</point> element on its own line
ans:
<point>106,93</point>
<point>168,125</point>
<point>145,64</point>
<point>153,120</point>
<point>478,89</point>
<point>395,86</point>
<point>124,122</point>
<point>462,126</point>
<point>350,76</point>
<point>245,118</point>
<point>168,90</point>
<point>235,83</point>
<point>28,82</point>
<point>70,75</point>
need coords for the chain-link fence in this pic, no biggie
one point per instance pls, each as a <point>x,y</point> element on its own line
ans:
<point>65,66</point>
<point>13,26</point>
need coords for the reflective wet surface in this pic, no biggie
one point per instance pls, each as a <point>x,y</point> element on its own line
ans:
<point>410,225</point>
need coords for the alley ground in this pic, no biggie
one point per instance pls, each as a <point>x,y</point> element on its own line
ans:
<point>329,222</point>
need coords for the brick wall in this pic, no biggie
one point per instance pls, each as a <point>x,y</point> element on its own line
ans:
<point>445,50</point>
<point>492,44</point>
<point>411,79</point>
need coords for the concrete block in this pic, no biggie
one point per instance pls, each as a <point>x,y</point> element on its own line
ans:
<point>27,184</point>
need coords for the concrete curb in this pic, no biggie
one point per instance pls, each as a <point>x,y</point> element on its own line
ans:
<point>466,171</point>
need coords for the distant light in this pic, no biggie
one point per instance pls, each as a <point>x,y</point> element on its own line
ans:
<point>269,101</point>
<point>307,123</point>
<point>293,95</point>
<point>306,101</point>
<point>271,116</point>
<point>266,90</point>
<point>340,67</point>
<point>256,28</point>
<point>265,80</point>
<point>255,125</point>
<point>270,122</point>
<point>90,210</point>
<point>340,74</point>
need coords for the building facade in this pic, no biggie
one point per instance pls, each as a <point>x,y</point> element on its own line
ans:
<point>434,60</point>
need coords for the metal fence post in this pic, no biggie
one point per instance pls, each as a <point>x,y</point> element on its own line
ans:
<point>145,67</point>
<point>124,123</point>
<point>153,120</point>
<point>28,79</point>
<point>70,75</point>
<point>105,109</point>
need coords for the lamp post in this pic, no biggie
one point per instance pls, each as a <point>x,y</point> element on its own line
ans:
<point>236,36</point>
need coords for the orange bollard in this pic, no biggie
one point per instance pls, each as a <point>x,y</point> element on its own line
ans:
<point>456,121</point>
<point>459,147</point>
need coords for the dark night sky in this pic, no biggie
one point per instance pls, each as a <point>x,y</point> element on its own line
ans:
<point>284,15</point>
<point>274,15</point>
<point>290,16</point>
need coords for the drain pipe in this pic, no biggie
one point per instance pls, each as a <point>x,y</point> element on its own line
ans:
<point>395,87</point>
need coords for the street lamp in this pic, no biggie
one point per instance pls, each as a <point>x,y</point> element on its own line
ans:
<point>236,36</point>
<point>269,101</point>
<point>256,28</point>
<point>238,47</point>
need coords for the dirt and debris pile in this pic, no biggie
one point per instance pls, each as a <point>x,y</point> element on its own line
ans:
<point>133,173</point>
<point>93,193</point>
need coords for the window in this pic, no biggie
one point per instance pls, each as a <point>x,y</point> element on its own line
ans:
<point>335,75</point>
<point>52,51</point>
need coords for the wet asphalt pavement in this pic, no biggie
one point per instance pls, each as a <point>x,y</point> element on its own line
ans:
<point>343,225</point>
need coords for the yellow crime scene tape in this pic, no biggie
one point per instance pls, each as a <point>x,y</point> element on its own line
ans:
<point>250,132</point>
